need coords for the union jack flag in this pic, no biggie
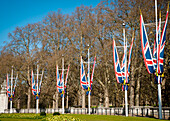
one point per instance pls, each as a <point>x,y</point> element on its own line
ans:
<point>162,46</point>
<point>91,81</point>
<point>146,51</point>
<point>123,64</point>
<point>129,60</point>
<point>155,48</point>
<point>34,90</point>
<point>83,81</point>
<point>8,87</point>
<point>66,77</point>
<point>39,89</point>
<point>15,85</point>
<point>117,68</point>
<point>124,87</point>
<point>59,81</point>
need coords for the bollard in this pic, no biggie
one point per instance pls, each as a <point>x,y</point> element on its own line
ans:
<point>142,112</point>
<point>97,111</point>
<point>114,111</point>
<point>164,113</point>
<point>102,111</point>
<point>106,111</point>
<point>110,111</point>
<point>118,111</point>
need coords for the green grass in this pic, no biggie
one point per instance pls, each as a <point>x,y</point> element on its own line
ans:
<point>31,117</point>
<point>12,119</point>
<point>110,118</point>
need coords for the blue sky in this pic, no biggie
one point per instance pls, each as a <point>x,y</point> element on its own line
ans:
<point>15,13</point>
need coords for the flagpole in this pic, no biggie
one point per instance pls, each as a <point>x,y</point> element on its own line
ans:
<point>11,90</point>
<point>88,80</point>
<point>125,52</point>
<point>63,85</point>
<point>159,85</point>
<point>37,92</point>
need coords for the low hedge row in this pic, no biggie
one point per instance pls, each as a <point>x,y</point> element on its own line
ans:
<point>21,116</point>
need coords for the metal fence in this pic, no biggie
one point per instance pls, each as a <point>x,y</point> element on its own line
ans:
<point>135,111</point>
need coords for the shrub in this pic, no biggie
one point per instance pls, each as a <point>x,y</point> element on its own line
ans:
<point>56,113</point>
<point>42,114</point>
<point>60,118</point>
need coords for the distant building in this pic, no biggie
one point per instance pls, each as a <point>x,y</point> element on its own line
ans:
<point>3,98</point>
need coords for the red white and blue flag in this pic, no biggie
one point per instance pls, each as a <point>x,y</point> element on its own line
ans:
<point>158,50</point>
<point>91,81</point>
<point>59,81</point>
<point>34,86</point>
<point>34,90</point>
<point>162,46</point>
<point>120,71</point>
<point>155,48</point>
<point>117,68</point>
<point>39,89</point>
<point>83,80</point>
<point>129,60</point>
<point>66,77</point>
<point>123,64</point>
<point>8,87</point>
<point>15,86</point>
<point>146,51</point>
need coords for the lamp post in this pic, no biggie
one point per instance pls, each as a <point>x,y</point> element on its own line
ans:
<point>63,84</point>
<point>125,53</point>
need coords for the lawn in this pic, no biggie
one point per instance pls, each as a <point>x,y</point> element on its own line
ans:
<point>111,118</point>
<point>31,117</point>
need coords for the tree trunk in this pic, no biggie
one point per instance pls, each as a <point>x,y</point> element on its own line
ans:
<point>106,97</point>
<point>67,100</point>
<point>132,85</point>
<point>79,97</point>
<point>29,90</point>
<point>18,104</point>
<point>106,92</point>
<point>83,98</point>
<point>138,85</point>
<point>56,100</point>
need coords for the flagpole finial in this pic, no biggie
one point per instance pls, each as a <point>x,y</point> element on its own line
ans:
<point>160,14</point>
<point>133,34</point>
<point>168,6</point>
<point>140,11</point>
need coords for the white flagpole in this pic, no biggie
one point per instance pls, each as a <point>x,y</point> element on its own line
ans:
<point>89,80</point>
<point>125,52</point>
<point>159,85</point>
<point>11,90</point>
<point>37,92</point>
<point>63,86</point>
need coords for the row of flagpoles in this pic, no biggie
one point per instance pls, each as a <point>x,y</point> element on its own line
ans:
<point>153,63</point>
